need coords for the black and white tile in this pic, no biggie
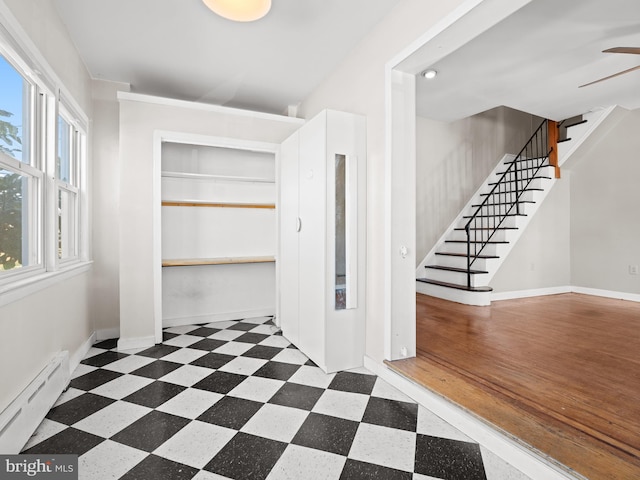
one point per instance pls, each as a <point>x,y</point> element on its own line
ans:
<point>235,400</point>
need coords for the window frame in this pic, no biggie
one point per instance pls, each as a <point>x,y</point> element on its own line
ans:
<point>34,227</point>
<point>70,187</point>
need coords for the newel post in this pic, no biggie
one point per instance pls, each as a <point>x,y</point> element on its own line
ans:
<point>552,135</point>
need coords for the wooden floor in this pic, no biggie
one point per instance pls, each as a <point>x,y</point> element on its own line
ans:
<point>560,373</point>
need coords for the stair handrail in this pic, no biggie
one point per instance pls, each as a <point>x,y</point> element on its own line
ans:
<point>538,145</point>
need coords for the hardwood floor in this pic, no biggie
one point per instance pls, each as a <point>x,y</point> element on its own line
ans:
<point>561,373</point>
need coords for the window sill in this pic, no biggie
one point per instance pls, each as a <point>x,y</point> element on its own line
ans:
<point>14,291</point>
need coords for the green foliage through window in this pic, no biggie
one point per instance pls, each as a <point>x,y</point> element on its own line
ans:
<point>11,185</point>
<point>10,141</point>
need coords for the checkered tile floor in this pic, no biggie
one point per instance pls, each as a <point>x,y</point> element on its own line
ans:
<point>235,400</point>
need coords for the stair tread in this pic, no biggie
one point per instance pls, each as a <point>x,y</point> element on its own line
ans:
<point>525,168</point>
<point>486,228</point>
<point>528,189</point>
<point>501,203</point>
<point>492,242</point>
<point>499,215</point>
<point>450,254</point>
<point>568,139</point>
<point>455,285</point>
<point>576,123</point>
<point>524,160</point>
<point>541,177</point>
<point>454,269</point>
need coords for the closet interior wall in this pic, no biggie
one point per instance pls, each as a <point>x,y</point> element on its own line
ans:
<point>218,233</point>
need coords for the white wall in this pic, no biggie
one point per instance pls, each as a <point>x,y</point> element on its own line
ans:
<point>211,293</point>
<point>452,161</point>
<point>56,318</point>
<point>105,189</point>
<point>541,259</point>
<point>140,117</point>
<point>605,220</point>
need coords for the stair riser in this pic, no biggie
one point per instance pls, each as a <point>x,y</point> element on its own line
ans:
<point>461,262</point>
<point>577,131</point>
<point>524,162</point>
<point>498,236</point>
<point>544,171</point>
<point>489,249</point>
<point>508,222</point>
<point>453,277</point>
<point>535,183</point>
<point>527,195</point>
<point>524,209</point>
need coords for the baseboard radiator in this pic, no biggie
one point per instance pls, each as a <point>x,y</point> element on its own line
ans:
<point>21,418</point>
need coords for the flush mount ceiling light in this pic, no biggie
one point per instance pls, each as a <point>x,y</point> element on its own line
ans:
<point>429,74</point>
<point>239,10</point>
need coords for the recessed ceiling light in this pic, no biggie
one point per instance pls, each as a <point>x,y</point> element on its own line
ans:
<point>240,10</point>
<point>429,74</point>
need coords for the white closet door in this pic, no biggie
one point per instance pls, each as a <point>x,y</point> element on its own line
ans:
<point>312,211</point>
<point>288,256</point>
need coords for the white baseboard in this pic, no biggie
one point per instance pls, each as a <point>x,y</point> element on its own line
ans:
<point>536,292</point>
<point>136,342</point>
<point>107,334</point>
<point>21,418</point>
<point>217,317</point>
<point>529,462</point>
<point>632,297</point>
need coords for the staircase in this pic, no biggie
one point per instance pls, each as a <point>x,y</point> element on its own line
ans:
<point>465,259</point>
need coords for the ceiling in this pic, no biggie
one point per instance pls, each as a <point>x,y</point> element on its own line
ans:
<point>180,49</point>
<point>534,61</point>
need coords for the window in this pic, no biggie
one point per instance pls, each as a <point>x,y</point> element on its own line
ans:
<point>42,154</point>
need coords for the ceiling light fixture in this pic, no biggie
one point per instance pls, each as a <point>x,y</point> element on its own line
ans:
<point>239,10</point>
<point>429,74</point>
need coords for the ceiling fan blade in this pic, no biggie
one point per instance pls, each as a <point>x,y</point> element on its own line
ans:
<point>611,76</point>
<point>633,50</point>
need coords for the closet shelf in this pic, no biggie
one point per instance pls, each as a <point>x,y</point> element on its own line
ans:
<point>207,176</point>
<point>186,262</point>
<point>198,203</point>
